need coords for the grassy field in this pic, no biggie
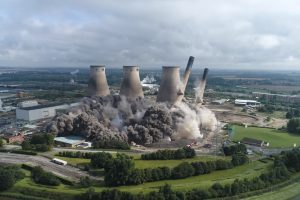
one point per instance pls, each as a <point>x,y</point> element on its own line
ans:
<point>276,138</point>
<point>148,163</point>
<point>289,192</point>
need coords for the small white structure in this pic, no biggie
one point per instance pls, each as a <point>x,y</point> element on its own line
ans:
<point>29,103</point>
<point>250,103</point>
<point>59,161</point>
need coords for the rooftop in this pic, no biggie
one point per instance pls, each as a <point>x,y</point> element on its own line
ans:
<point>41,106</point>
<point>70,139</point>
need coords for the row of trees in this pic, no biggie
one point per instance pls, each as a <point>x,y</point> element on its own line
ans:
<point>42,177</point>
<point>234,149</point>
<point>39,142</point>
<point>168,154</point>
<point>9,175</point>
<point>293,125</point>
<point>277,174</point>
<point>77,154</point>
<point>111,144</point>
<point>121,170</point>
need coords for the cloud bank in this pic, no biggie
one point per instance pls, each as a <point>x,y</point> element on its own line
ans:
<point>222,34</point>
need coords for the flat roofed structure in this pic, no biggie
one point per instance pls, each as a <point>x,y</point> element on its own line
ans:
<point>38,112</point>
<point>68,141</point>
<point>242,102</point>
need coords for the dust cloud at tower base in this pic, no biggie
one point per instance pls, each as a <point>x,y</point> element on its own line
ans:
<point>117,118</point>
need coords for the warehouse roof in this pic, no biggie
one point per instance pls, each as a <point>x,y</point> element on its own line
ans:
<point>70,139</point>
<point>41,106</point>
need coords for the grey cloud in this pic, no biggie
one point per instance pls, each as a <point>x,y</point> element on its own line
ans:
<point>223,34</point>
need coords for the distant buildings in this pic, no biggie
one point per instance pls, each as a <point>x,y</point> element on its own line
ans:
<point>277,97</point>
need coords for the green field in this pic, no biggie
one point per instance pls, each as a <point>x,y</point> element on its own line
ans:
<point>289,192</point>
<point>203,181</point>
<point>276,138</point>
<point>147,163</point>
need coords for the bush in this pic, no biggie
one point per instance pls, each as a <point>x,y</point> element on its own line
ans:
<point>45,178</point>
<point>234,149</point>
<point>239,159</point>
<point>85,182</point>
<point>183,170</point>
<point>39,142</point>
<point>9,175</point>
<point>293,125</point>
<point>99,160</point>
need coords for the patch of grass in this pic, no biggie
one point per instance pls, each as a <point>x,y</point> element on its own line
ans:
<point>276,138</point>
<point>172,163</point>
<point>74,161</point>
<point>286,193</point>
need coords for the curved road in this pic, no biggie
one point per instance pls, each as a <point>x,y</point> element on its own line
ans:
<point>65,171</point>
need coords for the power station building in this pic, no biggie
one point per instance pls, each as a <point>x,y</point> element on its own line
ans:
<point>40,112</point>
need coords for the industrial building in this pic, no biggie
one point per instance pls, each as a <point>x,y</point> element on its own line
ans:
<point>243,102</point>
<point>69,141</point>
<point>38,112</point>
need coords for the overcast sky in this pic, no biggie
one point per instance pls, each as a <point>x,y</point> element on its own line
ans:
<point>244,34</point>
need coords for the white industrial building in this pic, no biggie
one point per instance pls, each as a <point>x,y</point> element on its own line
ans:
<point>39,112</point>
<point>242,102</point>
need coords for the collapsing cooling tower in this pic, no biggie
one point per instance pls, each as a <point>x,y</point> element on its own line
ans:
<point>131,86</point>
<point>170,86</point>
<point>201,87</point>
<point>186,76</point>
<point>97,85</point>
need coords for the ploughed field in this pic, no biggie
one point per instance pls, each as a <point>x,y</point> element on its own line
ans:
<point>276,138</point>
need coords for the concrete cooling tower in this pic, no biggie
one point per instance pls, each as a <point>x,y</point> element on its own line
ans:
<point>201,87</point>
<point>97,85</point>
<point>170,86</point>
<point>131,86</point>
<point>186,76</point>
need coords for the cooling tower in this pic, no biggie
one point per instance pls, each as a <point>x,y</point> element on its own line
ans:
<point>170,85</point>
<point>186,76</point>
<point>131,86</point>
<point>201,87</point>
<point>97,85</point>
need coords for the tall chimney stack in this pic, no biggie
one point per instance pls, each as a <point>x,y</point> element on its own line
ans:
<point>97,85</point>
<point>131,86</point>
<point>201,87</point>
<point>170,85</point>
<point>186,76</point>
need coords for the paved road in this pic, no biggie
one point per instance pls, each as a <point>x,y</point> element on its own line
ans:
<point>69,172</point>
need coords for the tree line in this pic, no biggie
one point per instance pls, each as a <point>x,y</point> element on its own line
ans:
<point>121,170</point>
<point>282,169</point>
<point>39,142</point>
<point>168,154</point>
